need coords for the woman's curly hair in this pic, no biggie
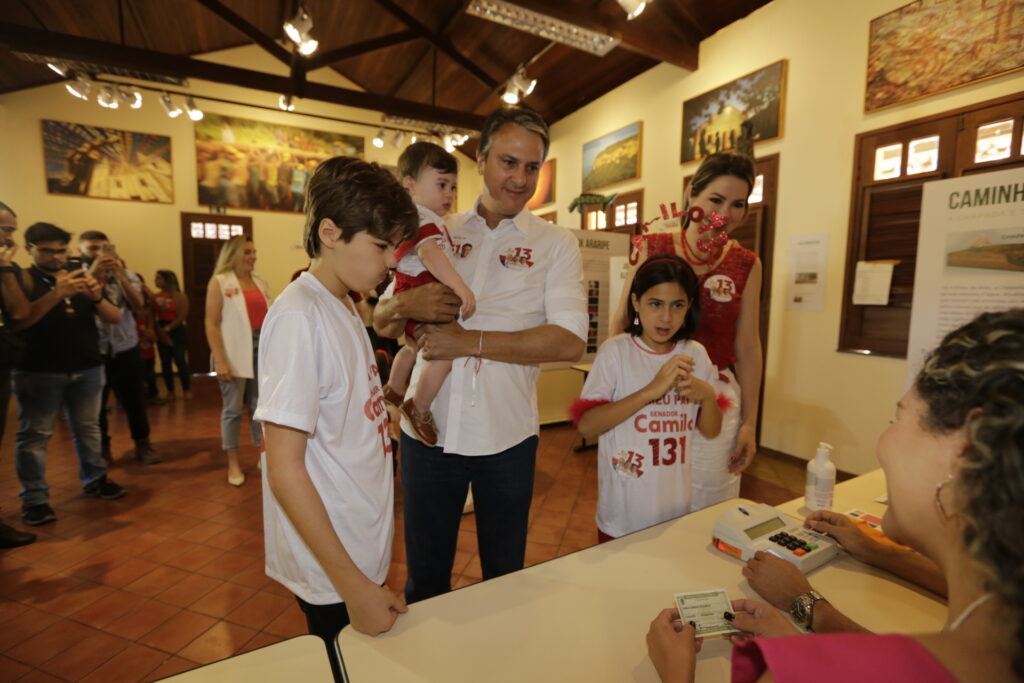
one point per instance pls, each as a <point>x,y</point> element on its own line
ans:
<point>975,379</point>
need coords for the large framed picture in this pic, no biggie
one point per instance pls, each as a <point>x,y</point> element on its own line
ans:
<point>922,49</point>
<point>248,164</point>
<point>545,192</point>
<point>712,121</point>
<point>107,163</point>
<point>613,158</point>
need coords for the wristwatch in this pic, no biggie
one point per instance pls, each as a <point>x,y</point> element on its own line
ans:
<point>802,608</point>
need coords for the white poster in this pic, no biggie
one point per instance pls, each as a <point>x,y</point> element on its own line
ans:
<point>970,256</point>
<point>808,258</point>
<point>598,248</point>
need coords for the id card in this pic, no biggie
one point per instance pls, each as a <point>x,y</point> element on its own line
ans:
<point>707,609</point>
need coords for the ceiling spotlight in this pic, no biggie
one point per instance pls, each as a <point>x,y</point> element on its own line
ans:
<point>412,139</point>
<point>194,112</point>
<point>130,98</point>
<point>173,110</point>
<point>511,94</point>
<point>285,103</point>
<point>518,87</point>
<point>633,8</point>
<point>398,139</point>
<point>58,67</point>
<point>107,97</point>
<point>297,29</point>
<point>378,139</point>
<point>80,86</point>
<point>449,143</point>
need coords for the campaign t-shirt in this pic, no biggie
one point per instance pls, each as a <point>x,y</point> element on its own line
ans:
<point>317,374</point>
<point>643,472</point>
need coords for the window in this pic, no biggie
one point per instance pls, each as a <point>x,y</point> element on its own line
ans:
<point>596,219</point>
<point>885,208</point>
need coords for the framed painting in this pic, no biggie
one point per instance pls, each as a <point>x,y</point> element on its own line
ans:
<point>107,163</point>
<point>712,121</point>
<point>545,192</point>
<point>613,158</point>
<point>246,164</point>
<point>921,49</point>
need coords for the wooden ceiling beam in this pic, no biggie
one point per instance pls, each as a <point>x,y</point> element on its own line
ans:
<point>242,24</point>
<point>441,42</point>
<point>75,48</point>
<point>360,48</point>
<point>649,38</point>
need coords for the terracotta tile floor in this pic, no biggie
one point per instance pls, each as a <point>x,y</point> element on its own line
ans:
<point>171,576</point>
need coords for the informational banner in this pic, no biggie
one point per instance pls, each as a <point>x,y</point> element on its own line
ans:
<point>598,247</point>
<point>970,256</point>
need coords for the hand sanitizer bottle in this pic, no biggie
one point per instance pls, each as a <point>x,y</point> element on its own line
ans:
<point>821,480</point>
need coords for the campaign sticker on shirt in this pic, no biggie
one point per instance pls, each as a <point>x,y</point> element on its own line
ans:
<point>231,291</point>
<point>721,288</point>
<point>518,258</point>
<point>628,464</point>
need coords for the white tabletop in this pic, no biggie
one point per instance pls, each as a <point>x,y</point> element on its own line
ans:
<point>585,616</point>
<point>303,658</point>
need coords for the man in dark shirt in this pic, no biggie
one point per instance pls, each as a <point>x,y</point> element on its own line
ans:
<point>13,305</point>
<point>61,368</point>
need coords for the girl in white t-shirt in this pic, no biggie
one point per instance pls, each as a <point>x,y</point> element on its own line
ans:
<point>649,388</point>
<point>328,482</point>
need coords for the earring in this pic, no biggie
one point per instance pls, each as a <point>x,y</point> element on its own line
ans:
<point>636,321</point>
<point>938,497</point>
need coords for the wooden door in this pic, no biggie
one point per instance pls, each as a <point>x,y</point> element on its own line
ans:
<point>202,235</point>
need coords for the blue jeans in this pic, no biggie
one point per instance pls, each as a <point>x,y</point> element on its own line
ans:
<point>40,396</point>
<point>235,394</point>
<point>435,485</point>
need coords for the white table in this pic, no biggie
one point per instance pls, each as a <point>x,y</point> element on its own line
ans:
<point>584,617</point>
<point>303,658</point>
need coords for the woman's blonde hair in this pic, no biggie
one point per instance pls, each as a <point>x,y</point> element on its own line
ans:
<point>229,254</point>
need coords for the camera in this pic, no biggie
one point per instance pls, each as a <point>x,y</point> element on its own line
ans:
<point>74,263</point>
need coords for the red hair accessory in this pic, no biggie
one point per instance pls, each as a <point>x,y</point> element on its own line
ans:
<point>582,405</point>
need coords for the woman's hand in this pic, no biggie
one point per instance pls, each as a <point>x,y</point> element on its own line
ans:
<point>673,647</point>
<point>757,619</point>
<point>840,527</point>
<point>746,448</point>
<point>774,579</point>
<point>676,369</point>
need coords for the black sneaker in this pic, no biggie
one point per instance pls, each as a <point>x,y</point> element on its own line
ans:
<point>145,454</point>
<point>34,515</point>
<point>12,538</point>
<point>103,488</point>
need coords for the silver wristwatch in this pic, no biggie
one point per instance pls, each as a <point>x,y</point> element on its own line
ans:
<point>802,608</point>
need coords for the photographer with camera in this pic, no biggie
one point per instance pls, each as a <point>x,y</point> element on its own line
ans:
<point>119,344</point>
<point>61,368</point>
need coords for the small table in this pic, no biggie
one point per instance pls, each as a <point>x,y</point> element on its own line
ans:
<point>584,616</point>
<point>302,658</point>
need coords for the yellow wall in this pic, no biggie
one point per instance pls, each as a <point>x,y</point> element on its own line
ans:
<point>148,235</point>
<point>812,392</point>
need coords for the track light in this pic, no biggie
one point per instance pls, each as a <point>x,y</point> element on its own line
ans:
<point>285,103</point>
<point>107,97</point>
<point>80,86</point>
<point>58,67</point>
<point>378,139</point>
<point>518,87</point>
<point>412,139</point>
<point>449,143</point>
<point>633,8</point>
<point>194,112</point>
<point>173,110</point>
<point>130,98</point>
<point>297,29</point>
<point>398,139</point>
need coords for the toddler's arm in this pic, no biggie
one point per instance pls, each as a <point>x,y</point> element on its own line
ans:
<point>440,266</point>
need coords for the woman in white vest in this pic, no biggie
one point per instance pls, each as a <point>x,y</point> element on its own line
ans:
<point>237,300</point>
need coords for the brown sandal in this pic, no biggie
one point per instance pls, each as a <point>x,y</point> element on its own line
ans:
<point>422,423</point>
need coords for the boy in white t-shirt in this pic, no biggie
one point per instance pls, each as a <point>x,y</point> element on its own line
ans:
<point>327,477</point>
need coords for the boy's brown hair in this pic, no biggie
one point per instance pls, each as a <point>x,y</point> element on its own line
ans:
<point>420,155</point>
<point>358,196</point>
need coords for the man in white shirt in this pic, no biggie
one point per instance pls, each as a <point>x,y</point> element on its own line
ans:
<point>531,308</point>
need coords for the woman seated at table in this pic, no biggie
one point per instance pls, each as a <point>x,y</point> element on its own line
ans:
<point>954,465</point>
